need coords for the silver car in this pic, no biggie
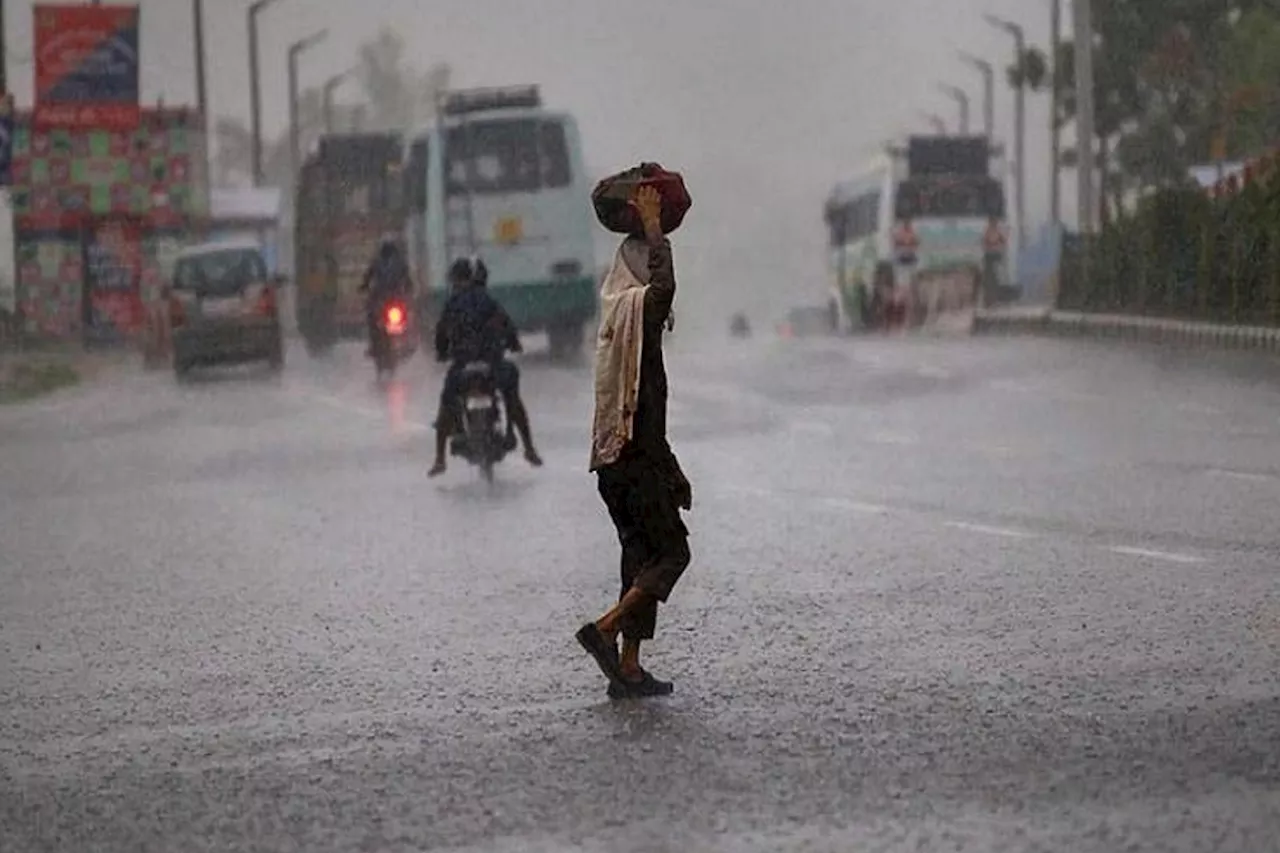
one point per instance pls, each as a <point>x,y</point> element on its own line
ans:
<point>223,307</point>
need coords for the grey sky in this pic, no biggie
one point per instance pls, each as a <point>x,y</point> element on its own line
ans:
<point>763,105</point>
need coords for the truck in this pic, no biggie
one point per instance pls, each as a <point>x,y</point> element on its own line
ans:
<point>348,197</point>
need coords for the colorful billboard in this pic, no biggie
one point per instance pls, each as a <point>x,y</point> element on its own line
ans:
<point>63,177</point>
<point>86,63</point>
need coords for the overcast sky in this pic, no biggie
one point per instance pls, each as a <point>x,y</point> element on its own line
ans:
<point>762,105</point>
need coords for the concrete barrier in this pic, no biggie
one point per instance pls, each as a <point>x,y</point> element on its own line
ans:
<point>1044,321</point>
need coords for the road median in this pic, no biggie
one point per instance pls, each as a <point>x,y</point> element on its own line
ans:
<point>25,378</point>
<point>1048,322</point>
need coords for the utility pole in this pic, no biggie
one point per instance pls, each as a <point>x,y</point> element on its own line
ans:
<point>988,72</point>
<point>296,50</point>
<point>4,59</point>
<point>1019,122</point>
<point>1055,132</point>
<point>961,98</point>
<point>255,88</point>
<point>202,93</point>
<point>1083,26</point>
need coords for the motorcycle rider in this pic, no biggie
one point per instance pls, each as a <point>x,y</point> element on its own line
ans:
<point>386,277</point>
<point>473,326</point>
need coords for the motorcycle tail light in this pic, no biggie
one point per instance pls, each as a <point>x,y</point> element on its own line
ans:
<point>395,319</point>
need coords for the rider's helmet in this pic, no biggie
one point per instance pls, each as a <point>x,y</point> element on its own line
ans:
<point>470,270</point>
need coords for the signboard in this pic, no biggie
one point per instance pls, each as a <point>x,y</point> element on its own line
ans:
<point>113,259</point>
<point>86,64</point>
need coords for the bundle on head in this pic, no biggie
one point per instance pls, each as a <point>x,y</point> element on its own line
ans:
<point>612,199</point>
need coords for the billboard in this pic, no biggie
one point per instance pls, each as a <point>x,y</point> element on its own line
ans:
<point>86,64</point>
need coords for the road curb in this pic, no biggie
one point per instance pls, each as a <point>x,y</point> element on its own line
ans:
<point>1129,328</point>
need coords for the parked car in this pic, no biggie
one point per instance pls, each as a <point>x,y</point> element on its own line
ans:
<point>223,307</point>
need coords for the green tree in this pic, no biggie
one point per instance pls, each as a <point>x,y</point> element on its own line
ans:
<point>1170,78</point>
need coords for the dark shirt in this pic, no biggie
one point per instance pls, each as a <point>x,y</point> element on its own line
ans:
<point>474,327</point>
<point>388,275</point>
<point>648,445</point>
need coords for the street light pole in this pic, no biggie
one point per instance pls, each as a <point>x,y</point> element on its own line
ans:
<point>1055,186</point>
<point>961,98</point>
<point>202,92</point>
<point>296,50</point>
<point>329,86</point>
<point>988,93</point>
<point>4,59</point>
<point>1019,121</point>
<point>1083,38</point>
<point>255,88</point>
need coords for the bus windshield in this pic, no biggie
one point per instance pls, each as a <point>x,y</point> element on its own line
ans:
<point>496,156</point>
<point>950,197</point>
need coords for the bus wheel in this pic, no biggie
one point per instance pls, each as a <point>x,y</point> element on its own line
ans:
<point>566,340</point>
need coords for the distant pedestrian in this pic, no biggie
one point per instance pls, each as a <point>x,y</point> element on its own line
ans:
<point>637,473</point>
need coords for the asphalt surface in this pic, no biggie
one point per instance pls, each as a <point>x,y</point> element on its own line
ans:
<point>947,594</point>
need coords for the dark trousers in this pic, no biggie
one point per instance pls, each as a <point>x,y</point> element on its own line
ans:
<point>654,539</point>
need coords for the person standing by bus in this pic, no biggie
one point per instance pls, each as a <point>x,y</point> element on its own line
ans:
<point>638,476</point>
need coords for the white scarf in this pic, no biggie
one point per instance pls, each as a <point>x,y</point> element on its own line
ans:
<point>618,344</point>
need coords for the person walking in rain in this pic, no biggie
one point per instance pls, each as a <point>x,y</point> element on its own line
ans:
<point>637,473</point>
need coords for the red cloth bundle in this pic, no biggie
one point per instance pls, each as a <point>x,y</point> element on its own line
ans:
<point>612,199</point>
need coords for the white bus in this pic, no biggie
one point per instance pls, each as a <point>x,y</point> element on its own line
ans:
<point>500,176</point>
<point>859,217</point>
<point>925,226</point>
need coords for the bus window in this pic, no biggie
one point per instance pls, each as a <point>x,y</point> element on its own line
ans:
<point>862,216</point>
<point>554,151</point>
<point>505,156</point>
<point>837,216</point>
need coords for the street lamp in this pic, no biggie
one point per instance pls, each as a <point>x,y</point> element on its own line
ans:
<point>296,50</point>
<point>329,86</point>
<point>961,98</point>
<point>935,121</point>
<point>255,87</point>
<point>988,92</point>
<point>202,92</point>
<point>1083,25</point>
<point>1019,120</point>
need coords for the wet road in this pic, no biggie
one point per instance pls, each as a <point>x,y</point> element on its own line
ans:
<point>959,594</point>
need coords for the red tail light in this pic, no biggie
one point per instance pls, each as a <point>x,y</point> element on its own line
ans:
<point>395,319</point>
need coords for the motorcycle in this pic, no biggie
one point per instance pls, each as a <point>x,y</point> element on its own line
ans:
<point>393,341</point>
<point>484,440</point>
